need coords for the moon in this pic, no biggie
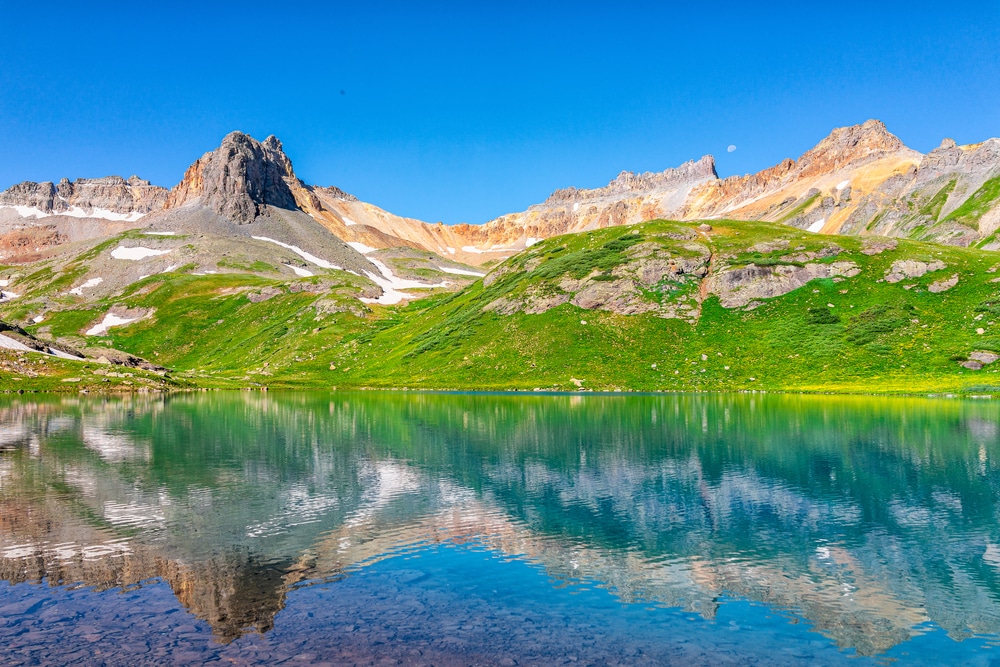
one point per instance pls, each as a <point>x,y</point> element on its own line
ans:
<point>731,148</point>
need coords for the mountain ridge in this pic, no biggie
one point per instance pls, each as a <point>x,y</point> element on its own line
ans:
<point>859,179</point>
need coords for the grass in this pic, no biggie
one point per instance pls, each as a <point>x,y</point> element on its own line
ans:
<point>844,334</point>
<point>981,201</point>
<point>875,337</point>
<point>932,208</point>
<point>800,209</point>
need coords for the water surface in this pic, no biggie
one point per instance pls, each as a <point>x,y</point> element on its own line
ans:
<point>447,529</point>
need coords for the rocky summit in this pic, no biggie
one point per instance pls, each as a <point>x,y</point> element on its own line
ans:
<point>239,180</point>
<point>860,179</point>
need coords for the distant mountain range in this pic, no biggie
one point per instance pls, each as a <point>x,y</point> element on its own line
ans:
<point>859,180</point>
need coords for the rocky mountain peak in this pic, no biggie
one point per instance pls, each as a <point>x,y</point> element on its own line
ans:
<point>693,170</point>
<point>240,179</point>
<point>846,145</point>
<point>110,194</point>
<point>690,173</point>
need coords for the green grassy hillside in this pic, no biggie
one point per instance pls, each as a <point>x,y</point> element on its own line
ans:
<point>858,333</point>
<point>660,306</point>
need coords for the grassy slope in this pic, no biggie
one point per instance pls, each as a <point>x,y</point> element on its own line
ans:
<point>981,201</point>
<point>30,371</point>
<point>877,337</point>
<point>871,342</point>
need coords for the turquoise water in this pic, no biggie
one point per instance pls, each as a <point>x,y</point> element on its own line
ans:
<point>404,528</point>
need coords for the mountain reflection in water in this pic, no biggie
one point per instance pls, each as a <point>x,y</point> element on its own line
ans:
<point>867,517</point>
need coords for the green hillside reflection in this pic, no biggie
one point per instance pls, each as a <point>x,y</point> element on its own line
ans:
<point>868,517</point>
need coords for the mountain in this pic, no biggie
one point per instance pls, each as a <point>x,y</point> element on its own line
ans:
<point>243,275</point>
<point>239,208</point>
<point>673,306</point>
<point>859,180</point>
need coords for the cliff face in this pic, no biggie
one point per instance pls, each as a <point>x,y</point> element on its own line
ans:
<point>111,197</point>
<point>239,180</point>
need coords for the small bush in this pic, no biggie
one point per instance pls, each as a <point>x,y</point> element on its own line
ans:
<point>865,327</point>
<point>821,316</point>
<point>991,306</point>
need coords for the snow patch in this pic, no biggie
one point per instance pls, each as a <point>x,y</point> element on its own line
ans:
<point>460,272</point>
<point>7,296</point>
<point>321,263</point>
<point>76,212</point>
<point>347,221</point>
<point>161,233</point>
<point>530,241</point>
<point>170,268</point>
<point>4,283</point>
<point>93,282</point>
<point>137,253</point>
<point>816,226</point>
<point>843,184</point>
<point>18,346</point>
<point>391,284</point>
<point>27,211</point>
<point>361,247</point>
<point>37,318</point>
<point>451,251</point>
<point>299,271</point>
<point>11,344</point>
<point>473,249</point>
<point>108,322</point>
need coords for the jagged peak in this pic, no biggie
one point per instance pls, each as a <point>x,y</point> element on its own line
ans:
<point>111,193</point>
<point>692,171</point>
<point>273,143</point>
<point>239,179</point>
<point>851,143</point>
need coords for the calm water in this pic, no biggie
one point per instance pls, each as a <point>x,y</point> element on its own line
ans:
<point>449,529</point>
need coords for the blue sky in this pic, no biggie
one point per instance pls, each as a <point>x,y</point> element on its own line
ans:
<point>462,113</point>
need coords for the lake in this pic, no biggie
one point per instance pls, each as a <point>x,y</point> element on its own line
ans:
<point>477,529</point>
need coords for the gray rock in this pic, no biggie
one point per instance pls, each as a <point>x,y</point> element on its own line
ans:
<point>943,285</point>
<point>111,193</point>
<point>984,357</point>
<point>876,246</point>
<point>907,268</point>
<point>740,287</point>
<point>240,179</point>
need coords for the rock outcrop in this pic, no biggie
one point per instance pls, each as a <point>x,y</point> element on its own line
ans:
<point>745,286</point>
<point>111,197</point>
<point>239,180</point>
